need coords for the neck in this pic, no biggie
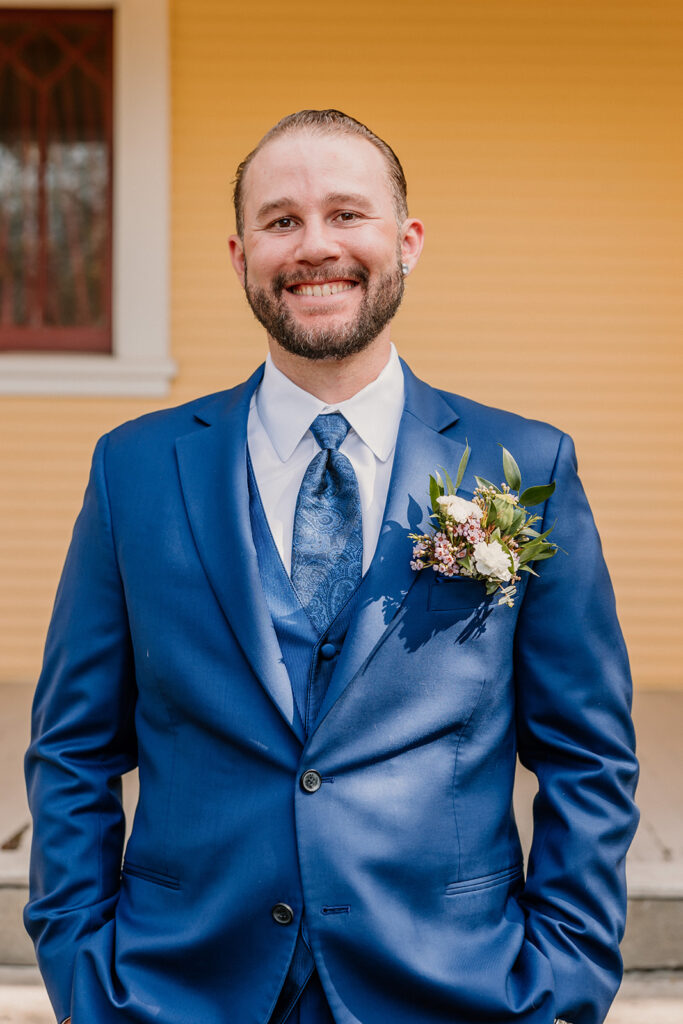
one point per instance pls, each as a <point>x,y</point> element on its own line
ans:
<point>333,380</point>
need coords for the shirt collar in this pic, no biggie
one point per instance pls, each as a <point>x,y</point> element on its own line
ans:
<point>287,411</point>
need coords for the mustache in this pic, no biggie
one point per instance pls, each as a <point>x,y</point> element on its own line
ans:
<point>321,276</point>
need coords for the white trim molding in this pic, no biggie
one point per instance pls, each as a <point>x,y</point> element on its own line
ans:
<point>140,363</point>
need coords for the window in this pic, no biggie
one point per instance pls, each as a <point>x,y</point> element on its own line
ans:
<point>55,180</point>
<point>136,359</point>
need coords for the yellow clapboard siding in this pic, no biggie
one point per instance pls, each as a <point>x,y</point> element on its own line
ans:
<point>543,149</point>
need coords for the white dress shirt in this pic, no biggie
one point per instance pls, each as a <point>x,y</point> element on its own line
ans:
<point>281,446</point>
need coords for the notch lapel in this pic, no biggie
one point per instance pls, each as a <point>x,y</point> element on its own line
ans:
<point>421,447</point>
<point>212,462</point>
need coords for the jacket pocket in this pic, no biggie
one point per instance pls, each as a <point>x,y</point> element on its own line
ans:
<point>450,593</point>
<point>485,881</point>
<point>137,871</point>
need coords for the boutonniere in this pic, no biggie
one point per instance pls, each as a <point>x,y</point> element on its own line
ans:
<point>491,538</point>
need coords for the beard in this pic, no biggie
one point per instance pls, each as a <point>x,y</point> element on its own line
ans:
<point>378,306</point>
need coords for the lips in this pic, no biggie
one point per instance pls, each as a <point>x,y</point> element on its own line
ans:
<point>321,288</point>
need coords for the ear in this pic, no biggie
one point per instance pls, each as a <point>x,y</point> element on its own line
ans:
<point>412,240</point>
<point>237,256</point>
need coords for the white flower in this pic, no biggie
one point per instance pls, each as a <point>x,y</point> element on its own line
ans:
<point>459,508</point>
<point>492,560</point>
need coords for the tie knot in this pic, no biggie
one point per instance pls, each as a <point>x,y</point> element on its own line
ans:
<point>329,429</point>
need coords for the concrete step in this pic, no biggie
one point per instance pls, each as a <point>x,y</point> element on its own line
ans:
<point>642,999</point>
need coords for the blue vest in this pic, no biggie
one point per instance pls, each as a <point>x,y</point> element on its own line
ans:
<point>310,661</point>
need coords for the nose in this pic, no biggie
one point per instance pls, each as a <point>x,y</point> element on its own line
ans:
<point>316,243</point>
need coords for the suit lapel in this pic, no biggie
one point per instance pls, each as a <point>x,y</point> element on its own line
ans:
<point>212,463</point>
<point>420,449</point>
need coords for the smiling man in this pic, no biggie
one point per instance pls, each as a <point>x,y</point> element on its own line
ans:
<point>326,734</point>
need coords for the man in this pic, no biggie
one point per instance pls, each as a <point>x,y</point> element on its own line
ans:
<point>326,739</point>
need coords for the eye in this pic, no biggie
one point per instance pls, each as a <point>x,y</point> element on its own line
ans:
<point>347,216</point>
<point>282,224</point>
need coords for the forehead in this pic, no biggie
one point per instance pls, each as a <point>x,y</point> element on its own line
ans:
<point>308,166</point>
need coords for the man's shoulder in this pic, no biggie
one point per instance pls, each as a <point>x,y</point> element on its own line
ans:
<point>487,425</point>
<point>172,421</point>
<point>166,425</point>
<point>145,447</point>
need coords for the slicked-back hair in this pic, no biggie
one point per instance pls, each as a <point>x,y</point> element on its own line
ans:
<point>325,122</point>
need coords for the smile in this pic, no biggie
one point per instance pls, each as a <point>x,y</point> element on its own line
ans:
<point>327,288</point>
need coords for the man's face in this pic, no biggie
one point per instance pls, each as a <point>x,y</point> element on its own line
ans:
<point>321,254</point>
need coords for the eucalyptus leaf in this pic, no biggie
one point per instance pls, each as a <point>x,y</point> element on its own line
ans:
<point>535,495</point>
<point>517,521</point>
<point>486,484</point>
<point>463,464</point>
<point>511,470</point>
<point>434,493</point>
<point>450,489</point>
<point>491,514</point>
<point>504,514</point>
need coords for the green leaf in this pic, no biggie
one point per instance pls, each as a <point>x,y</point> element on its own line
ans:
<point>527,568</point>
<point>546,552</point>
<point>529,552</point>
<point>490,516</point>
<point>504,514</point>
<point>450,489</point>
<point>511,470</point>
<point>535,495</point>
<point>434,493</point>
<point>463,464</point>
<point>546,533</point>
<point>517,521</point>
<point>486,484</point>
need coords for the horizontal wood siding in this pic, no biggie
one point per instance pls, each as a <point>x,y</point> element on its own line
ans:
<point>543,149</point>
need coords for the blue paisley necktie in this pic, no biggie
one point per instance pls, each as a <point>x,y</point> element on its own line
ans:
<point>327,543</point>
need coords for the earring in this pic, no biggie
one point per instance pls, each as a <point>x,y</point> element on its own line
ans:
<point>405,269</point>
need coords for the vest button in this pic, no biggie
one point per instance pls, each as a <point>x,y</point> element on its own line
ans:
<point>311,781</point>
<point>282,913</point>
<point>328,651</point>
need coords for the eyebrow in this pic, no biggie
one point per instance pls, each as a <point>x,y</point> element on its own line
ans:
<point>331,199</point>
<point>272,205</point>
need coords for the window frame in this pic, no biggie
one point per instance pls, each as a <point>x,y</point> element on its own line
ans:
<point>139,363</point>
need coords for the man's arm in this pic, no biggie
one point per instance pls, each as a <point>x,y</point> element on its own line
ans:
<point>83,740</point>
<point>576,735</point>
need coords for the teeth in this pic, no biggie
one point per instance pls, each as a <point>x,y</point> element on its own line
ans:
<point>325,289</point>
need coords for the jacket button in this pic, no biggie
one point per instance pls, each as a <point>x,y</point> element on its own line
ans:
<point>311,781</point>
<point>328,651</point>
<point>282,913</point>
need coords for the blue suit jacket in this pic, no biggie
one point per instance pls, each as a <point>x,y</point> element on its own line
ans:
<point>161,654</point>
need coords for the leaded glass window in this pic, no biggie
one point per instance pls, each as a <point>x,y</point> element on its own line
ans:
<point>55,180</point>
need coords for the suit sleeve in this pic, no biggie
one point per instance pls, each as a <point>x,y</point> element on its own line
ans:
<point>576,735</point>
<point>82,741</point>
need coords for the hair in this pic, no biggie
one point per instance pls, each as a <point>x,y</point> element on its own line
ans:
<point>325,122</point>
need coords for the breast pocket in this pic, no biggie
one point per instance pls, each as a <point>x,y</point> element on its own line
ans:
<point>450,594</point>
